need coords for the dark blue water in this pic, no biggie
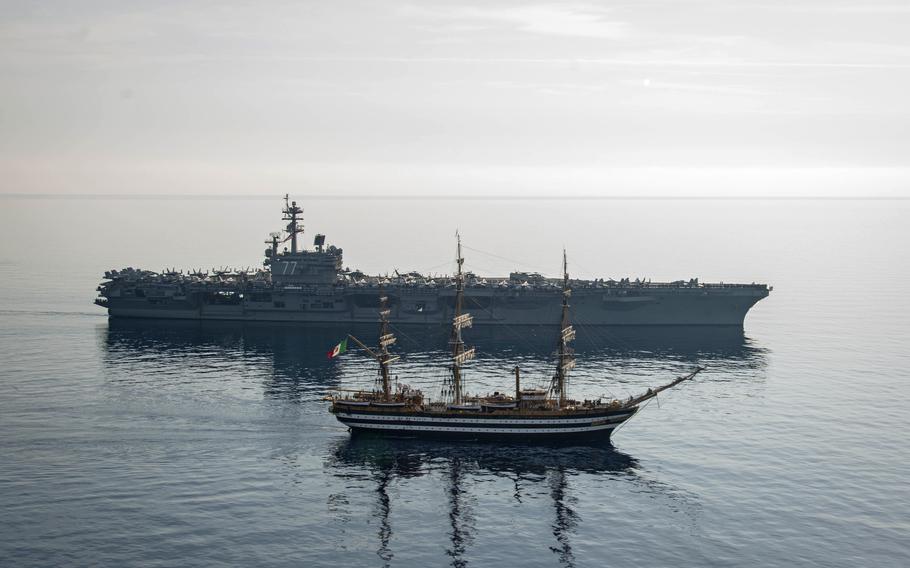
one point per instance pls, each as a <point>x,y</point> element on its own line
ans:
<point>206,445</point>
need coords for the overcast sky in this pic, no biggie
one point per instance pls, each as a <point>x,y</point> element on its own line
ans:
<point>497,97</point>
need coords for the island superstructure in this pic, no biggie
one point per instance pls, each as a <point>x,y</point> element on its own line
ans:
<point>310,285</point>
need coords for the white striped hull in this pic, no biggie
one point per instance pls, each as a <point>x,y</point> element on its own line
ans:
<point>492,426</point>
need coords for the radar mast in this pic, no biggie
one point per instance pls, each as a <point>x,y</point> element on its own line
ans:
<point>294,214</point>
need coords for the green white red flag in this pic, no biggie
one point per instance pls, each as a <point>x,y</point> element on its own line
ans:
<point>339,349</point>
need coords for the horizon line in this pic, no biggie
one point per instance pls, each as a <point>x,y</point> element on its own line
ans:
<point>452,197</point>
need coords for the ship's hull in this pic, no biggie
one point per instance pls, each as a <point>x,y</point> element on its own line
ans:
<point>511,427</point>
<point>594,306</point>
<point>311,286</point>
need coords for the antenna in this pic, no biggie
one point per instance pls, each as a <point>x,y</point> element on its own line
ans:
<point>292,213</point>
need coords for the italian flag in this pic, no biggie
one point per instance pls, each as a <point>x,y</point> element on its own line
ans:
<point>339,349</point>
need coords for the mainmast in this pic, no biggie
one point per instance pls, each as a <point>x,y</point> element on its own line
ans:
<point>566,334</point>
<point>386,338</point>
<point>459,321</point>
<point>293,214</point>
<point>381,354</point>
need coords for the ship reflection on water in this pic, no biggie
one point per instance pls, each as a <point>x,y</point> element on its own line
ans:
<point>289,362</point>
<point>551,471</point>
<point>297,355</point>
<point>287,365</point>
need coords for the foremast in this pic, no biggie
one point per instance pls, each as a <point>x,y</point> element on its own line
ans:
<point>460,320</point>
<point>381,353</point>
<point>566,355</point>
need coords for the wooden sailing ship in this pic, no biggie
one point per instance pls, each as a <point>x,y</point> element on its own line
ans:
<point>529,414</point>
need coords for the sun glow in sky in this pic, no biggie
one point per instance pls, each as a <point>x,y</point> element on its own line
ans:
<point>711,97</point>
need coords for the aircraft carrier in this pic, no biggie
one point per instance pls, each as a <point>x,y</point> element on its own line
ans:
<point>310,285</point>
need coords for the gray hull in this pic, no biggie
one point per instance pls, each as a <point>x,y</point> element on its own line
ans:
<point>722,305</point>
<point>312,286</point>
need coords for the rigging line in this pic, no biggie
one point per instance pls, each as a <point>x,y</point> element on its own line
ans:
<point>437,384</point>
<point>583,268</point>
<point>590,329</point>
<point>618,428</point>
<point>518,262</point>
<point>603,339</point>
<point>405,335</point>
<point>600,331</point>
<point>447,263</point>
<point>507,327</point>
<point>474,266</point>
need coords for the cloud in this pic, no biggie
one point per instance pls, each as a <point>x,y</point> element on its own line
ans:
<point>851,8</point>
<point>695,87</point>
<point>558,20</point>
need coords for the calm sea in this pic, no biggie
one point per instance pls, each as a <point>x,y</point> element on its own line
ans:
<point>126,444</point>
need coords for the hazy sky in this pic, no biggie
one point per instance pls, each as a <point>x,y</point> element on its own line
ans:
<point>494,97</point>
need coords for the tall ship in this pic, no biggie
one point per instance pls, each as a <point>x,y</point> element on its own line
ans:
<point>311,285</point>
<point>538,414</point>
